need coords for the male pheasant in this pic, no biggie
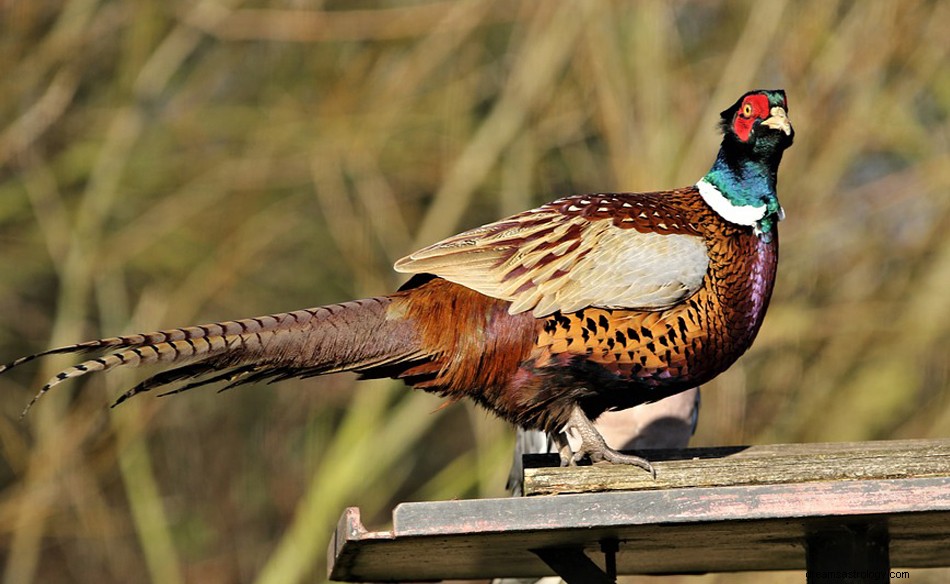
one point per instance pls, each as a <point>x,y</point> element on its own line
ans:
<point>547,318</point>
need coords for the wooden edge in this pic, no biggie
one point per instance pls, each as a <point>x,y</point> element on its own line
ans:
<point>746,465</point>
<point>483,538</point>
<point>349,529</point>
<point>904,485</point>
<point>671,506</point>
<point>919,445</point>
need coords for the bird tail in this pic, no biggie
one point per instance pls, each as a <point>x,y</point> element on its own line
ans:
<point>361,335</point>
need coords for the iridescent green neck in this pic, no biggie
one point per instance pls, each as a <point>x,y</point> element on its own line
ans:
<point>747,190</point>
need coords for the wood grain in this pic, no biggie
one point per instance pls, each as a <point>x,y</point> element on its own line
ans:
<point>746,465</point>
<point>727,509</point>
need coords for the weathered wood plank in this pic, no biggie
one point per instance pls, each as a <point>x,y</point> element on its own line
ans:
<point>685,529</point>
<point>746,465</point>
<point>719,529</point>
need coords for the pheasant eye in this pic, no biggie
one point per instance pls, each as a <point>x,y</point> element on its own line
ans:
<point>747,110</point>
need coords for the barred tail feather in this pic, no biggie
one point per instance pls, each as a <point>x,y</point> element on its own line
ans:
<point>215,329</point>
<point>350,336</point>
<point>146,353</point>
<point>171,376</point>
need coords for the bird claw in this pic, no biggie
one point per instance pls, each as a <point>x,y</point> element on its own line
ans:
<point>593,447</point>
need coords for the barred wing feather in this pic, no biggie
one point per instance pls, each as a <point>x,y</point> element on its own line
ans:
<point>547,261</point>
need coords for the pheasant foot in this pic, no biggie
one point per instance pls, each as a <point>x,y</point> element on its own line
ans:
<point>593,446</point>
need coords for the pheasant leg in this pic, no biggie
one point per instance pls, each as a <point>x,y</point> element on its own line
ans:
<point>564,448</point>
<point>594,447</point>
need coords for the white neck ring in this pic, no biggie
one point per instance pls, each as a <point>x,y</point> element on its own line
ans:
<point>738,214</point>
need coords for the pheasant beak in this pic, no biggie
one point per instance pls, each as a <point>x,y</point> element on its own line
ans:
<point>778,120</point>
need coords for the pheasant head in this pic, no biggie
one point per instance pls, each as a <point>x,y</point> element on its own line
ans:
<point>741,184</point>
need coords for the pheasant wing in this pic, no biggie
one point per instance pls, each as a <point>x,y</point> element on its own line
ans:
<point>608,251</point>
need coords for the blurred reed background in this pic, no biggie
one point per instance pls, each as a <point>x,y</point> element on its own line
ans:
<point>168,163</point>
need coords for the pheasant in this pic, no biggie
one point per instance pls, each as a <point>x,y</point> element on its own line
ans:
<point>547,318</point>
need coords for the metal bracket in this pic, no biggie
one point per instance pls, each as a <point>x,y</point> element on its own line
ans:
<point>852,553</point>
<point>575,567</point>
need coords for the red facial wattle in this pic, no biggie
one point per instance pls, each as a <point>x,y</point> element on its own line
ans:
<point>753,107</point>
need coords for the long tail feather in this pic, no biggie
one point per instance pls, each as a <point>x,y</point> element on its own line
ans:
<point>164,378</point>
<point>215,329</point>
<point>350,336</point>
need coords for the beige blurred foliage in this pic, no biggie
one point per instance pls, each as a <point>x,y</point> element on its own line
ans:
<point>166,163</point>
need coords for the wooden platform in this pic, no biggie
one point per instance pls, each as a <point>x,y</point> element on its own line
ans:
<point>821,506</point>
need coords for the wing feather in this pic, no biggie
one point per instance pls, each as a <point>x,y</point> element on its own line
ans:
<point>548,260</point>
